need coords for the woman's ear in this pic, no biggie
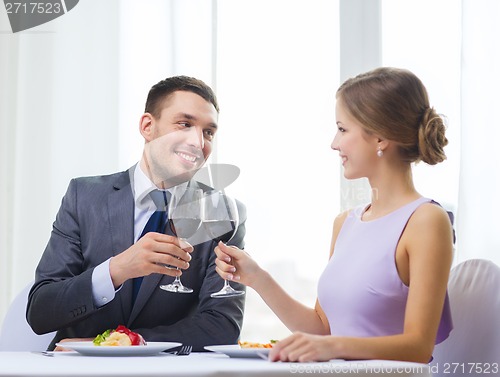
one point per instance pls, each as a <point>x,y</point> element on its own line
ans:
<point>146,126</point>
<point>382,144</point>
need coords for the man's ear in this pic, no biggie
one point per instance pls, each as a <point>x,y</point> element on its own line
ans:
<point>146,126</point>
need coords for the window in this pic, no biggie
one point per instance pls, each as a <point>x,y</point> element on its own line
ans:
<point>277,73</point>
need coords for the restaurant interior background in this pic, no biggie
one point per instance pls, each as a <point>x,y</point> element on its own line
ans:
<point>72,91</point>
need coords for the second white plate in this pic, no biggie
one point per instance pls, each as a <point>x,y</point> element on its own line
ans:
<point>234,350</point>
<point>89,349</point>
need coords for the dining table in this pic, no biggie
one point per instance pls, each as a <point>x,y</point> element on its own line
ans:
<point>209,364</point>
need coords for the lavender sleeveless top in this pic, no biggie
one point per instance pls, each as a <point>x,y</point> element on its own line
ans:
<point>360,290</point>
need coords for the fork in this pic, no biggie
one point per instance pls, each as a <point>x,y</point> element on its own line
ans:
<point>183,351</point>
<point>44,353</point>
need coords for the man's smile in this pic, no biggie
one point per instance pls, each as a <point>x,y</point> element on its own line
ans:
<point>191,158</point>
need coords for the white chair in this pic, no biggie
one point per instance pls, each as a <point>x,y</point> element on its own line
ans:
<point>473,346</point>
<point>16,334</point>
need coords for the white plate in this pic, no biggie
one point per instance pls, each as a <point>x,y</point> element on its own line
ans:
<point>234,350</point>
<point>89,349</point>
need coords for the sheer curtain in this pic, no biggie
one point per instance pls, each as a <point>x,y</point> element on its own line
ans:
<point>460,67</point>
<point>56,95</point>
<point>479,201</point>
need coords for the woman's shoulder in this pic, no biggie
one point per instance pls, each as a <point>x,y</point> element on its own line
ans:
<point>429,218</point>
<point>430,212</point>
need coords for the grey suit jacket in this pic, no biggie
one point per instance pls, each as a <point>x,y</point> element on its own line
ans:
<point>95,222</point>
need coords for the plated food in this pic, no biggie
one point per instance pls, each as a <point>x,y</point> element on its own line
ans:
<point>87,348</point>
<point>121,336</point>
<point>257,345</point>
<point>235,350</point>
<point>244,349</point>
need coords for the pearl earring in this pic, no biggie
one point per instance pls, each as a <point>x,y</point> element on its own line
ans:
<point>380,152</point>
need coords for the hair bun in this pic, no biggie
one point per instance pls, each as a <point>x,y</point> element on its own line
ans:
<point>431,137</point>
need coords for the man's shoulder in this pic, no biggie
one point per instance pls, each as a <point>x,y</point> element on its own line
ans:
<point>114,180</point>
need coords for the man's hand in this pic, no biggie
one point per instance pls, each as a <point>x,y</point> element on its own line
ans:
<point>153,253</point>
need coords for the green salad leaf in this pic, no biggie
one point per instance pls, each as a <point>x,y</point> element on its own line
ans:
<point>101,337</point>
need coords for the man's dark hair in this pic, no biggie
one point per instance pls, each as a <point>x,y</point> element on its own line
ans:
<point>165,88</point>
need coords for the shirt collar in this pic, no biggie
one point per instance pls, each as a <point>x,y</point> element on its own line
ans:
<point>142,187</point>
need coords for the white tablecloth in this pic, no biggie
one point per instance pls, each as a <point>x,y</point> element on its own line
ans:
<point>196,365</point>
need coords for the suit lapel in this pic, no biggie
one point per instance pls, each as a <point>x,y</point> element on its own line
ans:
<point>149,284</point>
<point>121,217</point>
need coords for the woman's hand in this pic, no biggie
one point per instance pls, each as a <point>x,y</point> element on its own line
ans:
<point>236,265</point>
<point>303,347</point>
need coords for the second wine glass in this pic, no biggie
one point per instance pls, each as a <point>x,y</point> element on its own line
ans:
<point>184,218</point>
<point>220,219</point>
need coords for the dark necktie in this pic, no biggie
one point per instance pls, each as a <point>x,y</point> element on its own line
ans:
<point>156,223</point>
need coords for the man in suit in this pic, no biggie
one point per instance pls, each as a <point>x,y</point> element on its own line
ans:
<point>84,280</point>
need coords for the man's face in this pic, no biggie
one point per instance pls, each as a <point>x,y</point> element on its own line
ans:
<point>180,140</point>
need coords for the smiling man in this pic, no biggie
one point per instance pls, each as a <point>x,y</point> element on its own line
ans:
<point>100,271</point>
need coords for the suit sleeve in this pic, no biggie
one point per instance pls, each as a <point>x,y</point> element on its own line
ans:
<point>62,292</point>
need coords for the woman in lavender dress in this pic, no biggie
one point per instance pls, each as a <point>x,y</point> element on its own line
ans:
<point>383,293</point>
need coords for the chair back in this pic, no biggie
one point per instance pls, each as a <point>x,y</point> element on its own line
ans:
<point>16,334</point>
<point>473,347</point>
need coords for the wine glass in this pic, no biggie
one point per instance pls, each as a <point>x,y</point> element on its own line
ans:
<point>184,219</point>
<point>220,220</point>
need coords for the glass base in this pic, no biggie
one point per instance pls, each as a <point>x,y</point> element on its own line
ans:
<point>227,291</point>
<point>176,287</point>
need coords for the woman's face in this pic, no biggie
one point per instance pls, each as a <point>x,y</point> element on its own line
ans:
<point>356,147</point>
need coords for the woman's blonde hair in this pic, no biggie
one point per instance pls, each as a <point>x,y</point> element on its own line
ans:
<point>393,104</point>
